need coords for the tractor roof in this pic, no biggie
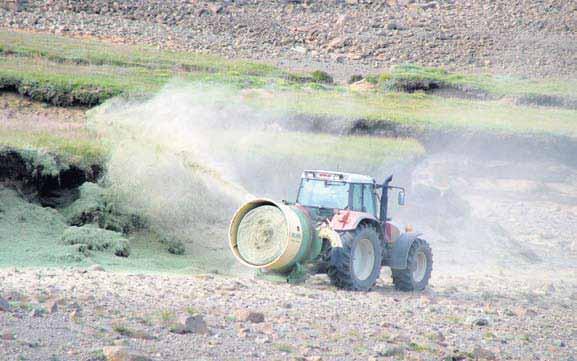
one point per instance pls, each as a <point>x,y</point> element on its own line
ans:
<point>338,176</point>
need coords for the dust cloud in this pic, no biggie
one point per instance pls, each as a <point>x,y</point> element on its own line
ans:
<point>189,156</point>
<point>493,211</point>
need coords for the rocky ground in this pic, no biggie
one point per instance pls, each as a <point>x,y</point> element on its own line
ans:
<point>342,36</point>
<point>75,314</point>
<point>504,284</point>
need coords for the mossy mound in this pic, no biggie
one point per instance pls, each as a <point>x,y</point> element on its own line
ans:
<point>88,207</point>
<point>92,207</point>
<point>90,238</point>
<point>20,217</point>
<point>29,233</point>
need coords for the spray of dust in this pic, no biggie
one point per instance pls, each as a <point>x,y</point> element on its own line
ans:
<point>486,209</point>
<point>188,157</point>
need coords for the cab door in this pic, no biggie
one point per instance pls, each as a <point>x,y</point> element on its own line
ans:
<point>369,204</point>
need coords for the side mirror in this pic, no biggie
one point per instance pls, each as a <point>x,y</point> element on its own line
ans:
<point>401,199</point>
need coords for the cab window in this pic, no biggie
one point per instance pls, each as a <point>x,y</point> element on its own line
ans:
<point>357,197</point>
<point>368,199</point>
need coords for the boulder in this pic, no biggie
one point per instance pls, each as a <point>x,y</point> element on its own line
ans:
<point>190,324</point>
<point>4,305</point>
<point>96,268</point>
<point>51,306</point>
<point>251,316</point>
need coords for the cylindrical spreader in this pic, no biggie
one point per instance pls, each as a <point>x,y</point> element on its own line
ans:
<point>268,235</point>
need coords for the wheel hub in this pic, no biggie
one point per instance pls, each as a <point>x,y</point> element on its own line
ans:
<point>363,259</point>
<point>420,266</point>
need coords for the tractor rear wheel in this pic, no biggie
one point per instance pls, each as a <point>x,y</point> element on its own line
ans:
<point>357,264</point>
<point>419,267</point>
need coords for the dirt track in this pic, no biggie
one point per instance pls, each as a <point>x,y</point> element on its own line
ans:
<point>494,315</point>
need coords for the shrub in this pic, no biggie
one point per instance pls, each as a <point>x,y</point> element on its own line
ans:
<point>319,76</point>
<point>175,246</point>
<point>372,79</point>
<point>355,78</point>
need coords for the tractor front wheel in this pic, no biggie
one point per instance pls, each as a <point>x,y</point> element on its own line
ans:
<point>419,267</point>
<point>357,264</point>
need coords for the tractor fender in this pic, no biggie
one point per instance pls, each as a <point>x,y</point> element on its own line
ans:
<point>400,250</point>
<point>349,220</point>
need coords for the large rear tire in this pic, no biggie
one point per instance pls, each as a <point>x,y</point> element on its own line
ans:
<point>419,267</point>
<point>357,264</point>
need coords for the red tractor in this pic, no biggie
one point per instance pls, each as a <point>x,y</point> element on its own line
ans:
<point>339,224</point>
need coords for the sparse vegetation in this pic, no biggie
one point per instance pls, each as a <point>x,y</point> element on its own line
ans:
<point>167,316</point>
<point>123,329</point>
<point>286,348</point>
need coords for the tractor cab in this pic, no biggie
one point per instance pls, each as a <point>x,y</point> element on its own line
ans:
<point>337,191</point>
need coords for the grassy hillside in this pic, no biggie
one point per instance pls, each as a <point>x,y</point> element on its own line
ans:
<point>65,71</point>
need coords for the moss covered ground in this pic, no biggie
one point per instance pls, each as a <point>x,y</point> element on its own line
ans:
<point>35,236</point>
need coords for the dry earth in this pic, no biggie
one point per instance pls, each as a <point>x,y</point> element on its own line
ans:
<point>344,37</point>
<point>505,314</point>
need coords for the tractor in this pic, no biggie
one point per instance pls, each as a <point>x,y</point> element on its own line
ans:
<point>338,225</point>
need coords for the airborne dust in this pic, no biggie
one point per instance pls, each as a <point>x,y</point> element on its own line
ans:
<point>189,156</point>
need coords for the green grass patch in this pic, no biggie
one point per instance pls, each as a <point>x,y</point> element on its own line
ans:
<point>363,150</point>
<point>424,112</point>
<point>53,151</point>
<point>65,71</point>
<point>65,84</point>
<point>92,52</point>
<point>411,77</point>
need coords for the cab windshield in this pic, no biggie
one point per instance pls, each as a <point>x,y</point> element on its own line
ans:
<point>323,193</point>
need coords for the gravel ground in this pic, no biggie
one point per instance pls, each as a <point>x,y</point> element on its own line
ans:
<point>493,315</point>
<point>344,37</point>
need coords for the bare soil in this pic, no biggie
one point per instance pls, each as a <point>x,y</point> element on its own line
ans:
<point>505,314</point>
